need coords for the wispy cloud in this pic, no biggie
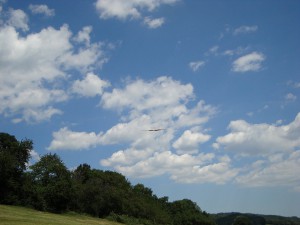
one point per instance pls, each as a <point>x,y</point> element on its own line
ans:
<point>154,23</point>
<point>18,19</point>
<point>128,9</point>
<point>245,30</point>
<point>249,62</point>
<point>290,97</point>
<point>195,66</point>
<point>42,9</point>
<point>132,9</point>
<point>278,170</point>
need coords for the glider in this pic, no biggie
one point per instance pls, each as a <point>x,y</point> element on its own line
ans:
<point>158,129</point>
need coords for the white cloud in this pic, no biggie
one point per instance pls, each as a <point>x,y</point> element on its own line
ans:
<point>260,139</point>
<point>160,103</point>
<point>245,30</point>
<point>83,36</point>
<point>290,97</point>
<point>250,62</point>
<point>127,157</point>
<point>90,86</point>
<point>271,150</point>
<point>34,67</point>
<point>213,50</point>
<point>283,171</point>
<point>195,66</point>
<point>219,172</point>
<point>127,9</point>
<point>18,19</point>
<point>189,141</point>
<point>154,23</point>
<point>293,84</point>
<point>297,84</point>
<point>42,9</point>
<point>237,51</point>
<point>65,139</point>
<point>164,162</point>
<point>34,155</point>
<point>140,95</point>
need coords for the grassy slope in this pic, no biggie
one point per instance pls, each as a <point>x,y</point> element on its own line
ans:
<point>13,215</point>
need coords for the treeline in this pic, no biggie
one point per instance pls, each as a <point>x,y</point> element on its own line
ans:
<point>49,186</point>
<point>253,219</point>
<point>239,218</point>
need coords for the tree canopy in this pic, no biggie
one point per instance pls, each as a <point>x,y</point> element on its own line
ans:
<point>14,156</point>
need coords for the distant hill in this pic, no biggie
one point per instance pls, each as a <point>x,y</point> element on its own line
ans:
<point>256,219</point>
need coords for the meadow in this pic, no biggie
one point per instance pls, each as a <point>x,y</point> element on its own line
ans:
<point>14,215</point>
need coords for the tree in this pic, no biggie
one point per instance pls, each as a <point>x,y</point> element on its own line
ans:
<point>242,220</point>
<point>14,156</point>
<point>52,182</point>
<point>187,212</point>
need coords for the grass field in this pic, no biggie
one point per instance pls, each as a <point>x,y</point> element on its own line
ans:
<point>13,215</point>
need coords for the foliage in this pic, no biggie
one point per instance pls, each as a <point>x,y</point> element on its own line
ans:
<point>280,220</point>
<point>239,218</point>
<point>186,212</point>
<point>14,156</point>
<point>52,184</point>
<point>229,219</point>
<point>242,220</point>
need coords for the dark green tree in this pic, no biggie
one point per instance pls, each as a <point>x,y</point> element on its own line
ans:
<point>52,183</point>
<point>14,156</point>
<point>100,192</point>
<point>242,220</point>
<point>187,212</point>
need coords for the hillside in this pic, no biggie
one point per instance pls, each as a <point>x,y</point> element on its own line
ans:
<point>229,218</point>
<point>12,215</point>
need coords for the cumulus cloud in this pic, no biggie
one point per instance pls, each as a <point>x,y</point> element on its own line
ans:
<point>42,9</point>
<point>127,9</point>
<point>90,86</point>
<point>151,153</point>
<point>65,139</point>
<point>219,172</point>
<point>140,95</point>
<point>260,139</point>
<point>195,66</point>
<point>281,171</point>
<point>154,23</point>
<point>33,68</point>
<point>249,62</point>
<point>245,30</point>
<point>189,142</point>
<point>272,152</point>
<point>159,103</point>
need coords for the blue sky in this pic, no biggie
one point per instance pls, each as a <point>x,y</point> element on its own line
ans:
<point>88,79</point>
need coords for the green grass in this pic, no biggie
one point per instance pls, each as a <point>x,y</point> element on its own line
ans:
<point>14,215</point>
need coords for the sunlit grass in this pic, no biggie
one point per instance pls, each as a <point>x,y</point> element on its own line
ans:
<point>13,215</point>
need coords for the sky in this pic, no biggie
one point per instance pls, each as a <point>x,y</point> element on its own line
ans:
<point>90,80</point>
